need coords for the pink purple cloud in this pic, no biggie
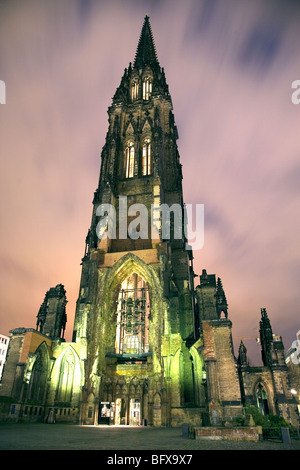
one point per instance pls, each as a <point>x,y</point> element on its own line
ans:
<point>229,69</point>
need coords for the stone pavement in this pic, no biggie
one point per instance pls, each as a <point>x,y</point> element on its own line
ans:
<point>40,436</point>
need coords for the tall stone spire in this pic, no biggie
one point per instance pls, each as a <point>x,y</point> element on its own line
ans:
<point>146,53</point>
<point>272,348</point>
<point>136,292</point>
<point>131,88</point>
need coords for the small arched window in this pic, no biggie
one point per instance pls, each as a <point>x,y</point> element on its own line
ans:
<point>129,160</point>
<point>262,399</point>
<point>147,157</point>
<point>134,90</point>
<point>147,88</point>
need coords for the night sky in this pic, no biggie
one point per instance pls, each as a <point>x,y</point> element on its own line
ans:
<point>229,65</point>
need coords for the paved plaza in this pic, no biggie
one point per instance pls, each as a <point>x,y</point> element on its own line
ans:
<point>111,438</point>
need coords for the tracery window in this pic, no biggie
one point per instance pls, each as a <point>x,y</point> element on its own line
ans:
<point>147,88</point>
<point>134,90</point>
<point>129,160</point>
<point>133,312</point>
<point>66,378</point>
<point>147,157</point>
<point>262,399</point>
<point>38,378</point>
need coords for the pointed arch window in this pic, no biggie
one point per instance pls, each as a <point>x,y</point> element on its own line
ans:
<point>129,160</point>
<point>132,329</point>
<point>147,88</point>
<point>66,378</point>
<point>134,90</point>
<point>262,399</point>
<point>147,157</point>
<point>38,379</point>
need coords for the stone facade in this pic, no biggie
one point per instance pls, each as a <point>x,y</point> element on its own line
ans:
<point>147,346</point>
<point>269,386</point>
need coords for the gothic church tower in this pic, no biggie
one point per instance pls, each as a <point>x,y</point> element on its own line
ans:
<point>135,311</point>
<point>147,346</point>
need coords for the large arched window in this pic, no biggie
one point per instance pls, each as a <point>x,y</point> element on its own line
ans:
<point>129,160</point>
<point>66,378</point>
<point>147,157</point>
<point>38,379</point>
<point>147,88</point>
<point>132,329</point>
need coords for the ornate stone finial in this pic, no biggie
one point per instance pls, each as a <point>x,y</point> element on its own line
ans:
<point>221,301</point>
<point>242,358</point>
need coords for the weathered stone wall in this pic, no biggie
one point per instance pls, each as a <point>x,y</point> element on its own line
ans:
<point>222,375</point>
<point>12,359</point>
<point>22,342</point>
<point>276,383</point>
<point>192,416</point>
<point>227,434</point>
<point>16,399</point>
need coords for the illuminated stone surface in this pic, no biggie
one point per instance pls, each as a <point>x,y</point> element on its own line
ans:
<point>148,347</point>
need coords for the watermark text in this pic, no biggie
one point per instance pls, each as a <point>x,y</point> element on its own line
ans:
<point>2,92</point>
<point>161,222</point>
<point>295,97</point>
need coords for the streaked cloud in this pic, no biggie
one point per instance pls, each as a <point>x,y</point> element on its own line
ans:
<point>229,66</point>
